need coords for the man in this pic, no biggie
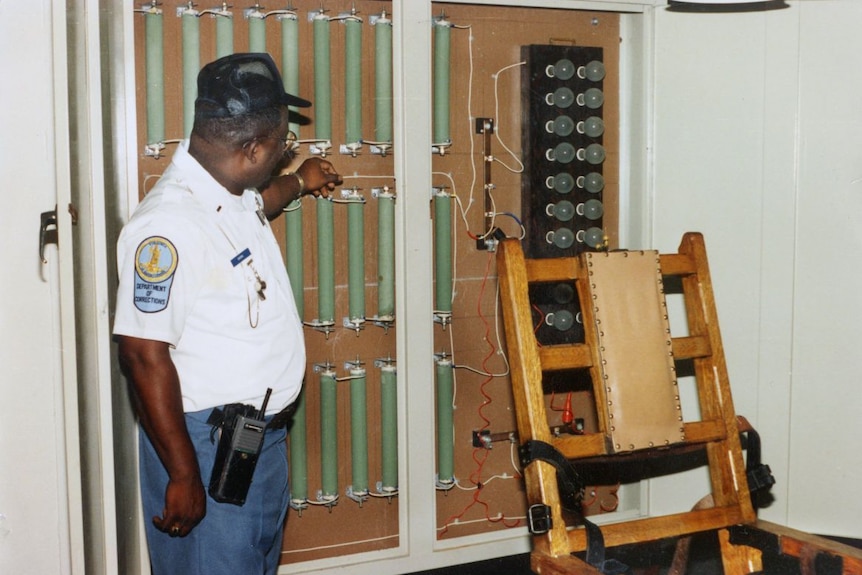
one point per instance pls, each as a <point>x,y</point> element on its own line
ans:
<point>206,318</point>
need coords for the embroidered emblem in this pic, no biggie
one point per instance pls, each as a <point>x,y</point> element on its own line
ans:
<point>155,264</point>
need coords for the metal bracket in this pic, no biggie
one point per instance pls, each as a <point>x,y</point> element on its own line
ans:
<point>47,232</point>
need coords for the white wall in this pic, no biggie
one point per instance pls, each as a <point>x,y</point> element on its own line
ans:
<point>756,122</point>
<point>825,458</point>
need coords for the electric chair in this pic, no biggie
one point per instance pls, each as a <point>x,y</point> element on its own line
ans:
<point>632,361</point>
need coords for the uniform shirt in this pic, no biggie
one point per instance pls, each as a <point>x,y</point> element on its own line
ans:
<point>193,261</point>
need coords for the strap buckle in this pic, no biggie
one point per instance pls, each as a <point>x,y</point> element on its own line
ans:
<point>539,519</point>
<point>760,477</point>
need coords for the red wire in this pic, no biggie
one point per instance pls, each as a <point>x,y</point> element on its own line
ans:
<point>539,324</point>
<point>491,348</point>
<point>480,455</point>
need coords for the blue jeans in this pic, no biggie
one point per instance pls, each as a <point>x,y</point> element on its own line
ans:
<point>230,539</point>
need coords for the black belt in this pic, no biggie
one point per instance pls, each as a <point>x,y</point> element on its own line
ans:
<point>280,420</point>
<point>284,417</point>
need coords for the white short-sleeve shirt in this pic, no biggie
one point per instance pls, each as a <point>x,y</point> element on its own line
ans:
<point>194,261</point>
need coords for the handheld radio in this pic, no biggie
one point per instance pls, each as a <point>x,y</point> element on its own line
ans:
<point>237,453</point>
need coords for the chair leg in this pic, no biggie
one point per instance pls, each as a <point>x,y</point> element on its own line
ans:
<point>544,564</point>
<point>738,559</point>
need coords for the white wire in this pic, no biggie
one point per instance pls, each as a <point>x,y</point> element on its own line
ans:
<point>474,171</point>
<point>470,138</point>
<point>512,459</point>
<point>496,76</point>
<point>146,179</point>
<point>369,177</point>
<point>480,372</point>
<point>484,483</point>
<point>337,545</point>
<point>500,348</point>
<point>482,520</point>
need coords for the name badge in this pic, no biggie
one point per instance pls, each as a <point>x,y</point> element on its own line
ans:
<point>240,257</point>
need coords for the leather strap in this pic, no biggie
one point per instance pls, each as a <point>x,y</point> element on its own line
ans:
<point>571,488</point>
<point>570,484</point>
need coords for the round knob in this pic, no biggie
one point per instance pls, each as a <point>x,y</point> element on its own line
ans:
<point>594,71</point>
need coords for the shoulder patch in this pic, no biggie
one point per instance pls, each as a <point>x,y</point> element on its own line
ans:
<point>155,264</point>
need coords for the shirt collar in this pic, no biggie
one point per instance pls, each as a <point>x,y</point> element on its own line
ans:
<point>205,188</point>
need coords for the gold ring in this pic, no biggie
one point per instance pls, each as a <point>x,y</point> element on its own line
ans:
<point>175,530</point>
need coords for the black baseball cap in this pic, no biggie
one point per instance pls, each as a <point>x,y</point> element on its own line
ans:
<point>241,84</point>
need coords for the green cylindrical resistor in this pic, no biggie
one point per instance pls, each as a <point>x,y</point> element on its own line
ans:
<point>290,61</point>
<point>442,39</point>
<point>383,80</point>
<point>443,252</point>
<point>329,434</point>
<point>224,33</point>
<point>359,430</point>
<point>356,259</point>
<point>389,427</point>
<point>353,80</point>
<point>256,31</point>
<point>155,76</point>
<point>299,452</point>
<point>445,421</point>
<point>385,256</point>
<point>191,66</point>
<point>325,262</point>
<point>293,254</point>
<point>322,85</point>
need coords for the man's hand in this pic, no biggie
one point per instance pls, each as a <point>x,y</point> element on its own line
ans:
<point>185,506</point>
<point>315,176</point>
<point>319,176</point>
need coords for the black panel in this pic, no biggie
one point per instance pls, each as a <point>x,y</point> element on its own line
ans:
<point>556,313</point>
<point>563,149</point>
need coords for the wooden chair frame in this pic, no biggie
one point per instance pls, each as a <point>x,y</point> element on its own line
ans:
<point>717,431</point>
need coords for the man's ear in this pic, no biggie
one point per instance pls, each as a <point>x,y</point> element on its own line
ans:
<point>251,150</point>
